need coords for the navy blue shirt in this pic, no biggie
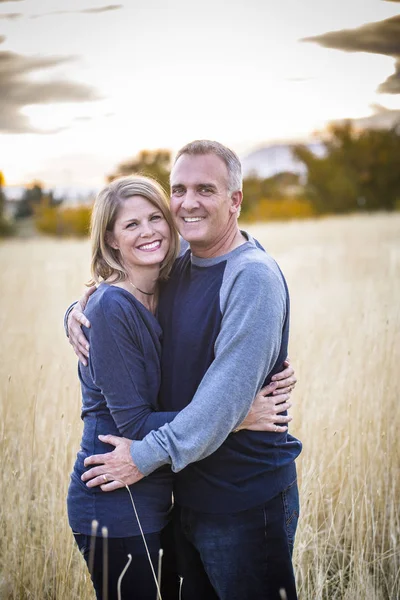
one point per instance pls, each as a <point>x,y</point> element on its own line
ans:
<point>225,324</point>
<point>120,389</point>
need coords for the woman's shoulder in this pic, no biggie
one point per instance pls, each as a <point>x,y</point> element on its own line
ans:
<point>112,302</point>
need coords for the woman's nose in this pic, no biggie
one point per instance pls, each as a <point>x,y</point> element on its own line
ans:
<point>147,229</point>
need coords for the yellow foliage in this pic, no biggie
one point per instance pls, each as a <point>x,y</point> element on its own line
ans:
<point>65,222</point>
<point>280,210</point>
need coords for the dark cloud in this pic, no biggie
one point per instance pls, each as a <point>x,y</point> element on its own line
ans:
<point>382,37</point>
<point>392,83</point>
<point>18,91</point>
<point>381,118</point>
<point>11,16</point>
<point>102,9</point>
<point>85,11</point>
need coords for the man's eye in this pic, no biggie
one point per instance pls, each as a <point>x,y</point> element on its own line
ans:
<point>178,192</point>
<point>205,190</point>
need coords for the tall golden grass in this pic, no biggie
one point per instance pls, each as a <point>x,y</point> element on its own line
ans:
<point>344,276</point>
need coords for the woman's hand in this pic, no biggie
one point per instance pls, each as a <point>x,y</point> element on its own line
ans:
<point>76,319</point>
<point>270,402</point>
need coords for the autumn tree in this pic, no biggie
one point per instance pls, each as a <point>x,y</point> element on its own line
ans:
<point>6,227</point>
<point>152,163</point>
<point>360,170</point>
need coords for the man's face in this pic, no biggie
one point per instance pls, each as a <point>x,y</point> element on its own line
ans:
<point>201,205</point>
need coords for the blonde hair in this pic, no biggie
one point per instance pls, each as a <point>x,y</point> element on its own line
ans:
<point>106,261</point>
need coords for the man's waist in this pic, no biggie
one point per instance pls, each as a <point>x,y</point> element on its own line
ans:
<point>204,492</point>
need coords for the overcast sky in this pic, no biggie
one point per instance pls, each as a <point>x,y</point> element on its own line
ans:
<point>85,84</point>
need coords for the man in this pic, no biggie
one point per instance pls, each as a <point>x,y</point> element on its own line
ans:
<point>225,320</point>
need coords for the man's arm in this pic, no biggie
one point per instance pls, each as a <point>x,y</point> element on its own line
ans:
<point>246,350</point>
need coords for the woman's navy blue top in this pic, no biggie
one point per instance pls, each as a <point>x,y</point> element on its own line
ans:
<point>120,388</point>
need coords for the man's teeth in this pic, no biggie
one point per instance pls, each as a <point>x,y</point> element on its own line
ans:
<point>192,219</point>
<point>149,246</point>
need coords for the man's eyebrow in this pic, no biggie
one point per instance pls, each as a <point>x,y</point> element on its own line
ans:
<point>209,185</point>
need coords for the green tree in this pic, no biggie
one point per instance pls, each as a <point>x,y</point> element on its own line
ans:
<point>6,227</point>
<point>32,197</point>
<point>360,170</point>
<point>152,163</point>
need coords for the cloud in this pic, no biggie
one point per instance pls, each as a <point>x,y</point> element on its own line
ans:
<point>18,91</point>
<point>300,79</point>
<point>102,9</point>
<point>392,83</point>
<point>381,118</point>
<point>382,37</point>
<point>11,16</point>
<point>86,11</point>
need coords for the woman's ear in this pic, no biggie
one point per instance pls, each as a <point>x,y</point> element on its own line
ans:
<point>110,240</point>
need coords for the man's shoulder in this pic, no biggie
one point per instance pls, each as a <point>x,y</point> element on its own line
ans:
<point>252,258</point>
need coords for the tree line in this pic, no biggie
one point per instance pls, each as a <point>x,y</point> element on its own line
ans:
<point>359,170</point>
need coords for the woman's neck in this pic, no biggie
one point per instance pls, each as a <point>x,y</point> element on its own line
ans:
<point>143,284</point>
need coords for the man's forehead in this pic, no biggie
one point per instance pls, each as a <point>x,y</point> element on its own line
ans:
<point>198,168</point>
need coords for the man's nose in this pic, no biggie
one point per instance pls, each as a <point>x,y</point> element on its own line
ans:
<point>190,201</point>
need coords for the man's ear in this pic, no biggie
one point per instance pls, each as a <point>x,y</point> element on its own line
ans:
<point>110,240</point>
<point>236,201</point>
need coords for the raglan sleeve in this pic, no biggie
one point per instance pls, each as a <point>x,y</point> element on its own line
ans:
<point>117,367</point>
<point>246,350</point>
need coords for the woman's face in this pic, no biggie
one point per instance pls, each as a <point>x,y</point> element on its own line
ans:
<point>141,233</point>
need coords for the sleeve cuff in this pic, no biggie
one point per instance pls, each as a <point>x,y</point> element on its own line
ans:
<point>148,458</point>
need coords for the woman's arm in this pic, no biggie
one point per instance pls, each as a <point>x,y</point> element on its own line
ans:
<point>117,366</point>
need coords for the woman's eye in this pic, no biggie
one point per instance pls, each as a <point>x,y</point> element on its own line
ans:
<point>133,224</point>
<point>156,217</point>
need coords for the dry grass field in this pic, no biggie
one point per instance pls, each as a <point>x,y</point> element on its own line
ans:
<point>344,277</point>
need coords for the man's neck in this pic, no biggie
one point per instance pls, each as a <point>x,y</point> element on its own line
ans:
<point>232,239</point>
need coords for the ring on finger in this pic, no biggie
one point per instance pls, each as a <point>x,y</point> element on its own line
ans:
<point>105,478</point>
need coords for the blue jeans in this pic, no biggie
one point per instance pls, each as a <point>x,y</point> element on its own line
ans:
<point>138,582</point>
<point>239,556</point>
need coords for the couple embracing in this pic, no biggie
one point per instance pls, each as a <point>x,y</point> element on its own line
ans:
<point>185,390</point>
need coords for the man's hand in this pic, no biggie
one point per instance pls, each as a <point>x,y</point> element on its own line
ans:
<point>116,469</point>
<point>76,319</point>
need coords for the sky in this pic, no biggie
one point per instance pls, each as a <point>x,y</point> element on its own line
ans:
<point>85,84</point>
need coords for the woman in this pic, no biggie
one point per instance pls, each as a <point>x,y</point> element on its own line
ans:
<point>120,385</point>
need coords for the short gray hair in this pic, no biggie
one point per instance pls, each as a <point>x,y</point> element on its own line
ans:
<point>231,160</point>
